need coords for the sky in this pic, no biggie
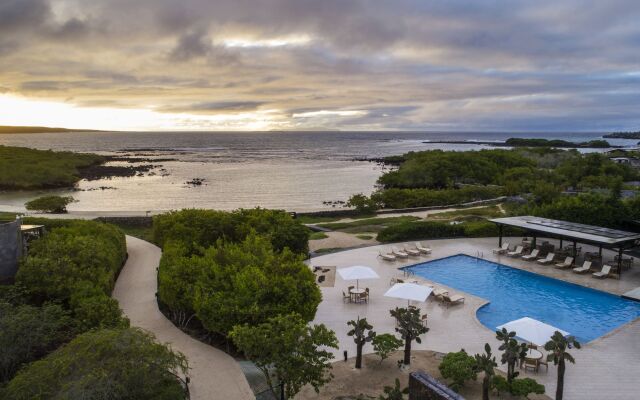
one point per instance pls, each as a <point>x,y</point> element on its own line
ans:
<point>468,65</point>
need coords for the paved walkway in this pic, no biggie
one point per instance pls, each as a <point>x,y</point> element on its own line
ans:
<point>606,368</point>
<point>214,374</point>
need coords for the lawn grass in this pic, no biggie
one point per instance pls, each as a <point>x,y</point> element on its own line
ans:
<point>310,219</point>
<point>356,226</point>
<point>318,236</point>
<point>488,212</point>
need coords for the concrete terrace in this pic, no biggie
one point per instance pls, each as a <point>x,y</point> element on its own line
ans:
<point>605,368</point>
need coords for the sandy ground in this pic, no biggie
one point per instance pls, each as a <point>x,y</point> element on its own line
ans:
<point>339,240</point>
<point>374,376</point>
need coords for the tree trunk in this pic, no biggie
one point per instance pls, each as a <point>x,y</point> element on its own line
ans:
<point>407,351</point>
<point>560,387</point>
<point>510,368</point>
<point>359,355</point>
<point>486,383</point>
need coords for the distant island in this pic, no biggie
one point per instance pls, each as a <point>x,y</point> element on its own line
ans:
<point>521,142</point>
<point>623,135</point>
<point>40,129</point>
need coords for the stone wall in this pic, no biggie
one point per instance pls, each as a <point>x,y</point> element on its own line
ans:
<point>10,248</point>
<point>423,386</point>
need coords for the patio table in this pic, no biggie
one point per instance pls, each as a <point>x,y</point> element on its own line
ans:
<point>355,293</point>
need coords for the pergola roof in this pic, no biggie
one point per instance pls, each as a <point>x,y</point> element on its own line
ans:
<point>564,229</point>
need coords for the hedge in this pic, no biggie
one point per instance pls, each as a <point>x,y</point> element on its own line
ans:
<point>436,230</point>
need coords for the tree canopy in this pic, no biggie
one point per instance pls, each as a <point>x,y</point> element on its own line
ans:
<point>288,351</point>
<point>105,364</point>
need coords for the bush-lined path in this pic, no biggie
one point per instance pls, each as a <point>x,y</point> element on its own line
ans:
<point>214,374</point>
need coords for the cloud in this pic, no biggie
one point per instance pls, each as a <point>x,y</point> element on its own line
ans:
<point>216,107</point>
<point>407,64</point>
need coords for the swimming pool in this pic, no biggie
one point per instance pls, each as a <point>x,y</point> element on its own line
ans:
<point>513,293</point>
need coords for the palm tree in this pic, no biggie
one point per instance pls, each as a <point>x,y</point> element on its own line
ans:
<point>512,351</point>
<point>410,327</point>
<point>362,333</point>
<point>557,348</point>
<point>486,363</point>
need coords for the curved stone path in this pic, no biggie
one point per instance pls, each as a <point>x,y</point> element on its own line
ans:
<point>214,374</point>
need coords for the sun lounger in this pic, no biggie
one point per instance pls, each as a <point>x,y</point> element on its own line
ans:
<point>606,269</point>
<point>411,252</point>
<point>398,253</point>
<point>455,299</point>
<point>423,249</point>
<point>547,260</point>
<point>516,253</point>
<point>584,269</point>
<point>567,263</point>
<point>531,256</point>
<point>439,292</point>
<point>503,249</point>
<point>386,257</point>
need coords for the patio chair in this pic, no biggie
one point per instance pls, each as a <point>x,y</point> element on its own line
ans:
<point>567,263</point>
<point>346,297</point>
<point>423,249</point>
<point>531,256</point>
<point>363,297</point>
<point>398,253</point>
<point>386,257</point>
<point>547,260</point>
<point>516,253</point>
<point>532,364</point>
<point>321,278</point>
<point>584,269</point>
<point>411,252</point>
<point>606,269</point>
<point>424,320</point>
<point>349,288</point>
<point>395,280</point>
<point>503,249</point>
<point>449,300</point>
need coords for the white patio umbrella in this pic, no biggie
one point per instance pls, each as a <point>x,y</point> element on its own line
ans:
<point>409,291</point>
<point>356,273</point>
<point>532,330</point>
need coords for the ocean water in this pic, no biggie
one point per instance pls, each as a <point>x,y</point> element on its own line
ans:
<point>296,171</point>
<point>513,293</point>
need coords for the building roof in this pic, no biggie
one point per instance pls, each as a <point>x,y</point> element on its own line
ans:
<point>565,229</point>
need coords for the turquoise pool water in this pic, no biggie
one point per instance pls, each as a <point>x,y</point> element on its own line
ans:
<point>513,293</point>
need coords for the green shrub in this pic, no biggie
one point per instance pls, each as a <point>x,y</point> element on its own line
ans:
<point>114,364</point>
<point>525,386</point>
<point>50,204</point>
<point>83,252</point>
<point>459,367</point>
<point>518,387</point>
<point>237,283</point>
<point>362,204</point>
<point>419,230</point>
<point>385,344</point>
<point>202,228</point>
<point>408,198</point>
<point>28,333</point>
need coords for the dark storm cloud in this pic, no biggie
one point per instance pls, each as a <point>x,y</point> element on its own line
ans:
<point>407,64</point>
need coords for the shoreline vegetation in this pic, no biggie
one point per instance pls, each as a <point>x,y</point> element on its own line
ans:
<point>40,129</point>
<point>24,168</point>
<point>623,135</point>
<point>522,142</point>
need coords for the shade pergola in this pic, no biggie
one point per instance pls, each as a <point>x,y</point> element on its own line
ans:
<point>602,237</point>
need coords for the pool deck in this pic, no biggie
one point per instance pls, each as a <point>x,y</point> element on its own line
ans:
<point>606,367</point>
